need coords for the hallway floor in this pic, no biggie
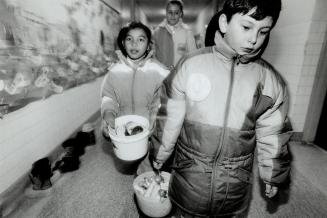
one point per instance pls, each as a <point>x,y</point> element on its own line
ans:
<point>102,187</point>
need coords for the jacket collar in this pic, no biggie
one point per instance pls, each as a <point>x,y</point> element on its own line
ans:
<point>130,62</point>
<point>170,29</point>
<point>223,48</point>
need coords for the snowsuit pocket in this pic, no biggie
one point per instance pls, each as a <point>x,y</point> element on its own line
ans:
<point>244,175</point>
<point>182,164</point>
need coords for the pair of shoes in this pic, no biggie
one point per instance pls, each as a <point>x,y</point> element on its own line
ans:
<point>40,174</point>
<point>67,164</point>
<point>74,147</point>
<point>70,159</point>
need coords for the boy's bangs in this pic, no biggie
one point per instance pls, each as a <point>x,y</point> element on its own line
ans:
<point>258,14</point>
<point>259,9</point>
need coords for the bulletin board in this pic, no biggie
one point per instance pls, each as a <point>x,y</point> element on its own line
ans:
<point>47,47</point>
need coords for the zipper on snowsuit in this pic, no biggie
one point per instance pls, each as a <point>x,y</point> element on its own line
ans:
<point>133,91</point>
<point>218,152</point>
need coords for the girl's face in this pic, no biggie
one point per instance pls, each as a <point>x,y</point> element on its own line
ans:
<point>245,34</point>
<point>136,43</point>
<point>173,14</point>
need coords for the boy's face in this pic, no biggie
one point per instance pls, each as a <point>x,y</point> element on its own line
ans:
<point>173,14</point>
<point>136,43</point>
<point>245,34</point>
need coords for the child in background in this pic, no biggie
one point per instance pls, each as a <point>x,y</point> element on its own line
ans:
<point>224,102</point>
<point>173,38</point>
<point>132,85</point>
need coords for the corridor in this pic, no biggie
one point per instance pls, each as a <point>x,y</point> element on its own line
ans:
<point>54,57</point>
<point>102,187</point>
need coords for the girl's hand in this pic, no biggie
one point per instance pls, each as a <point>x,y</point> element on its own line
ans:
<point>271,191</point>
<point>106,129</point>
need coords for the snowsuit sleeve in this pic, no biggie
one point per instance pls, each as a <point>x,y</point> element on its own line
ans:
<point>109,102</point>
<point>155,104</point>
<point>273,131</point>
<point>190,40</point>
<point>170,116</point>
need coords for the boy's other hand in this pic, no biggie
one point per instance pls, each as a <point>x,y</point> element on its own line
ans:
<point>157,164</point>
<point>271,191</point>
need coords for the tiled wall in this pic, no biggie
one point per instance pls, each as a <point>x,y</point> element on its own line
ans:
<point>204,17</point>
<point>308,72</point>
<point>35,130</point>
<point>294,50</point>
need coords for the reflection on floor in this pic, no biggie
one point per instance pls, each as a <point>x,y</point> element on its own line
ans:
<point>102,187</point>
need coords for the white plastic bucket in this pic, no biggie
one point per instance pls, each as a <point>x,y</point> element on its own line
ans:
<point>131,147</point>
<point>153,207</point>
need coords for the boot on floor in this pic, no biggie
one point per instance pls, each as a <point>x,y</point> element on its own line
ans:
<point>73,147</point>
<point>88,128</point>
<point>70,159</point>
<point>40,174</point>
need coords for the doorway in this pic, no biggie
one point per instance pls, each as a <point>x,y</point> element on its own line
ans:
<point>315,123</point>
<point>321,135</point>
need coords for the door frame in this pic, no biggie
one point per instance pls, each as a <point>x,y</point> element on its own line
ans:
<point>317,97</point>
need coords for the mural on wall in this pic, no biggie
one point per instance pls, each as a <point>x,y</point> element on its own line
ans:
<point>47,47</point>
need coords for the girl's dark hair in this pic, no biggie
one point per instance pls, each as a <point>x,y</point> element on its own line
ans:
<point>176,2</point>
<point>124,31</point>
<point>263,8</point>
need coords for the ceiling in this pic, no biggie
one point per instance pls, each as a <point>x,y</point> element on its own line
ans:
<point>155,10</point>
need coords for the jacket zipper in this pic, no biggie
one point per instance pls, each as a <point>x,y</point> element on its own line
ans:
<point>218,153</point>
<point>132,91</point>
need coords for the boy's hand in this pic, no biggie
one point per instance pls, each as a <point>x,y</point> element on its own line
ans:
<point>157,164</point>
<point>271,191</point>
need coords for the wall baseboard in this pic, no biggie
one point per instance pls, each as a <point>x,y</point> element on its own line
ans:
<point>297,136</point>
<point>10,198</point>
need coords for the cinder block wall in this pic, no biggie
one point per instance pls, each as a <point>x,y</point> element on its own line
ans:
<point>294,49</point>
<point>37,129</point>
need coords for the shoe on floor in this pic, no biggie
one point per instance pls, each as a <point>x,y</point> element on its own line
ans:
<point>40,174</point>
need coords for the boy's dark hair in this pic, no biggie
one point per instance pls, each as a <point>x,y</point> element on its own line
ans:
<point>263,8</point>
<point>176,2</point>
<point>211,29</point>
<point>124,31</point>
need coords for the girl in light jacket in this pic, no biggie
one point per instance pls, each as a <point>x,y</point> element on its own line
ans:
<point>173,38</point>
<point>132,85</point>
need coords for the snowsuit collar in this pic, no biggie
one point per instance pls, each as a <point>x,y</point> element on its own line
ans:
<point>132,64</point>
<point>223,48</point>
<point>170,29</point>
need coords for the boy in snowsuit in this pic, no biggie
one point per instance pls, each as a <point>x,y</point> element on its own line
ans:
<point>222,103</point>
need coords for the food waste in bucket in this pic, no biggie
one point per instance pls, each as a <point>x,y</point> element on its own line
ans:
<point>130,137</point>
<point>152,193</point>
